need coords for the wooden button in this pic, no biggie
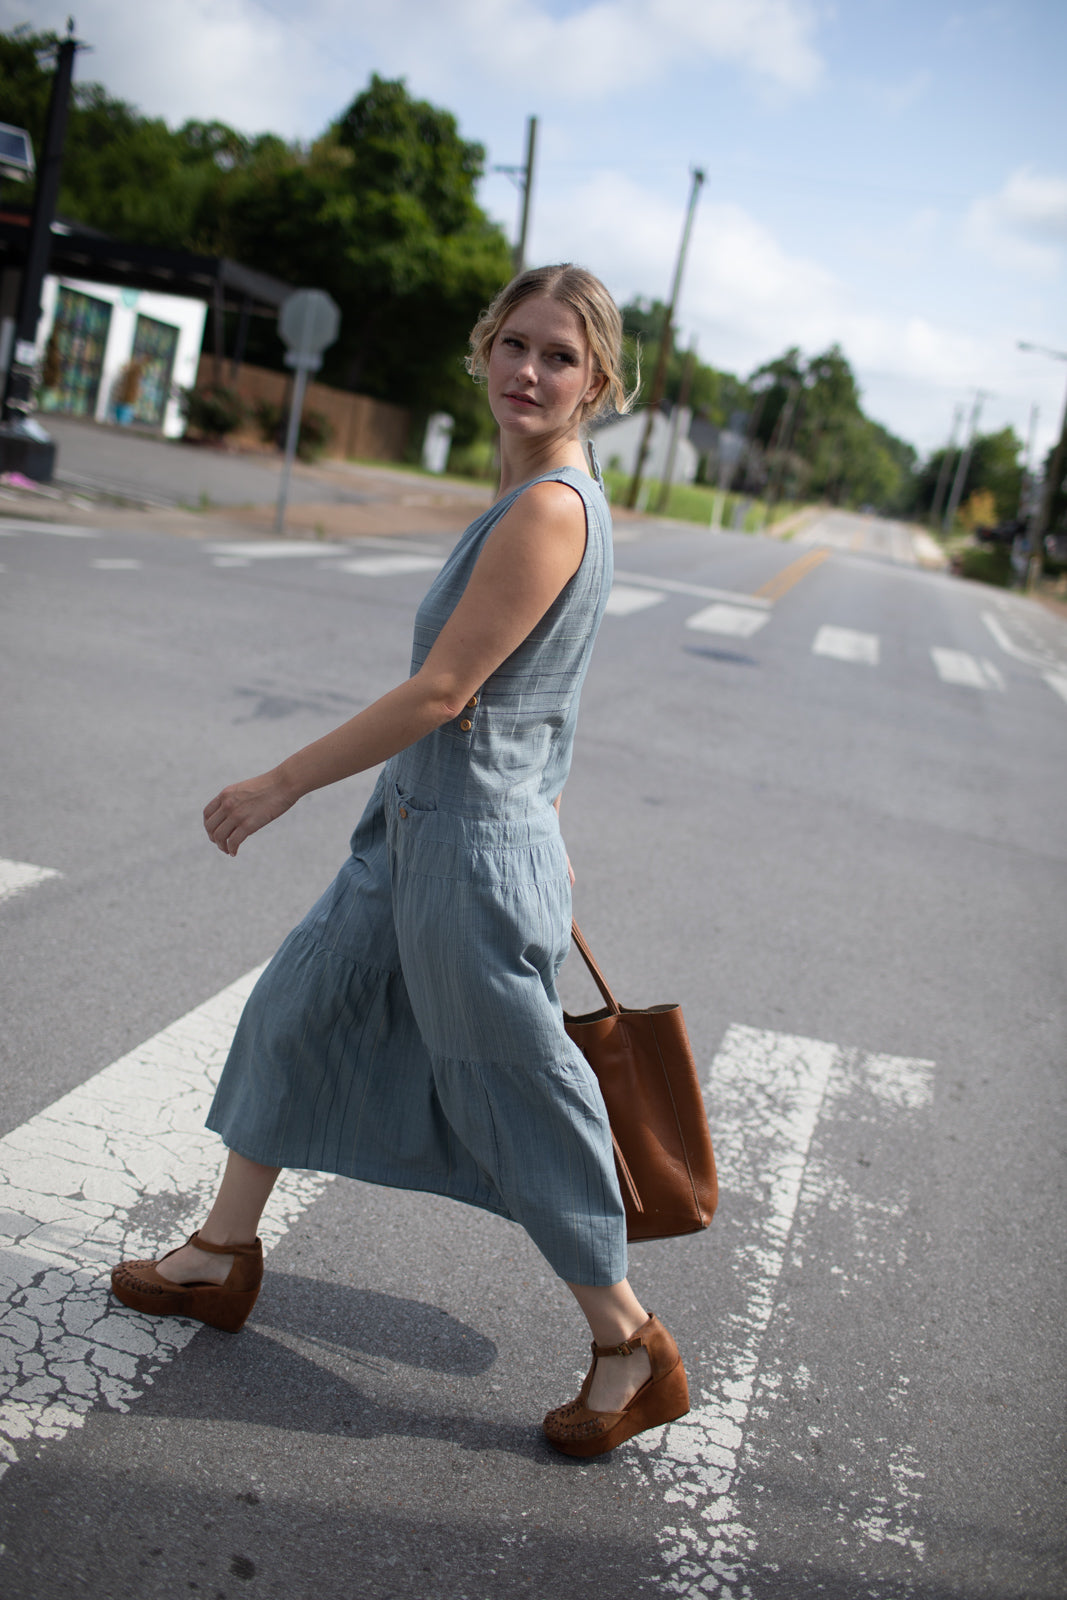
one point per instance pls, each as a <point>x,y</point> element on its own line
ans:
<point>472,702</point>
<point>466,724</point>
<point>403,811</point>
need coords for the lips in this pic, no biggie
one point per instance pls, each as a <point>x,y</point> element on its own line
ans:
<point>521,399</point>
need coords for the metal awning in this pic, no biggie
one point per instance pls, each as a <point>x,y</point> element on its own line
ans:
<point>78,252</point>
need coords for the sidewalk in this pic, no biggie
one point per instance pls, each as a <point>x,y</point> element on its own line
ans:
<point>125,481</point>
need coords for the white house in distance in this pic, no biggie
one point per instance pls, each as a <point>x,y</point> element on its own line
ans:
<point>113,354</point>
<point>619,441</point>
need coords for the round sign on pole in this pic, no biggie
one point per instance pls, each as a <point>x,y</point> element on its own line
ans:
<point>308,322</point>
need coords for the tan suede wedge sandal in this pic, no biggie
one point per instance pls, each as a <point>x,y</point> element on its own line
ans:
<point>221,1305</point>
<point>578,1431</point>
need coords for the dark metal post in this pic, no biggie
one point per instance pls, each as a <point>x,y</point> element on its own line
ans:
<point>18,391</point>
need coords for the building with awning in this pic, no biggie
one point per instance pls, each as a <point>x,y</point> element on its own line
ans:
<point>122,325</point>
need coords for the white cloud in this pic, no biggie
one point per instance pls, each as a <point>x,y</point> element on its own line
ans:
<point>260,64</point>
<point>224,60</point>
<point>747,298</point>
<point>1022,227</point>
<point>597,49</point>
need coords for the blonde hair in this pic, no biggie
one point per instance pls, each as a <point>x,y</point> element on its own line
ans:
<point>591,303</point>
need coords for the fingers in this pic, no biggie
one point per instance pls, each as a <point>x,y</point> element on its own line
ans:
<point>223,827</point>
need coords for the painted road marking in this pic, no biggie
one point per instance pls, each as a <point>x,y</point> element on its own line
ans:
<point>769,1093</point>
<point>674,586</point>
<point>275,549</point>
<point>783,581</point>
<point>624,600</point>
<point>845,644</point>
<point>1042,662</point>
<point>115,563</point>
<point>12,525</point>
<point>956,666</point>
<point>387,566</point>
<point>1057,681</point>
<point>15,876</point>
<point>74,1180</point>
<point>740,621</point>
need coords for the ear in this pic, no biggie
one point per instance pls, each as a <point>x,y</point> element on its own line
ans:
<point>595,389</point>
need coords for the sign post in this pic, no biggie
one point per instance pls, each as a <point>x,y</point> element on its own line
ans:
<point>308,323</point>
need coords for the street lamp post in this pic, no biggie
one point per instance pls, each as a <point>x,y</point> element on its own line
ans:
<point>1053,478</point>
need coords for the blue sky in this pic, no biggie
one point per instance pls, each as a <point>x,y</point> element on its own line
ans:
<point>887,174</point>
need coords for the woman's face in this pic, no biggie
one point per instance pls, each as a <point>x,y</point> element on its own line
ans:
<point>541,370</point>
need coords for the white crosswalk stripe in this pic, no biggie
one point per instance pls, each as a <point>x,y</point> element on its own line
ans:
<point>739,621</point>
<point>624,600</point>
<point>846,644</point>
<point>387,566</point>
<point>771,1093</point>
<point>15,876</point>
<point>275,549</point>
<point>68,1180</point>
<point>958,667</point>
<point>1058,682</point>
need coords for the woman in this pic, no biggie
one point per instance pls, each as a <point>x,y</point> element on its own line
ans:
<point>408,1032</point>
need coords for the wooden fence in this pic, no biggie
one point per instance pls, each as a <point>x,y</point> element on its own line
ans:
<point>360,428</point>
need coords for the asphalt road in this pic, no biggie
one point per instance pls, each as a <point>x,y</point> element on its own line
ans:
<point>817,797</point>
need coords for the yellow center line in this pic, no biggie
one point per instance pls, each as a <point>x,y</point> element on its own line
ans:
<point>783,581</point>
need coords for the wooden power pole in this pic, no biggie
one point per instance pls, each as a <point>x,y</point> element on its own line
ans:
<point>660,375</point>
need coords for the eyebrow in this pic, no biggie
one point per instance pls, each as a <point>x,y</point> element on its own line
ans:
<point>553,344</point>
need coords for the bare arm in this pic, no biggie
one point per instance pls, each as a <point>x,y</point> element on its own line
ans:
<point>526,561</point>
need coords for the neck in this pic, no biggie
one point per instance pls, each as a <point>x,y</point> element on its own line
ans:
<point>520,462</point>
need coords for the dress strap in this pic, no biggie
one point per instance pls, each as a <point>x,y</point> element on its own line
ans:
<point>594,462</point>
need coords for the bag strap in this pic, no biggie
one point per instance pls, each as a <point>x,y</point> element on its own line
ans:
<point>598,977</point>
<point>601,982</point>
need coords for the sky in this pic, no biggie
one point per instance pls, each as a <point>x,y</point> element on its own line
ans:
<point>887,175</point>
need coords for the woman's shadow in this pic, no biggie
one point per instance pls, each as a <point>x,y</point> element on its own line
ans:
<point>326,1358</point>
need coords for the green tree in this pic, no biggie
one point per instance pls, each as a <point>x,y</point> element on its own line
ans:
<point>381,211</point>
<point>994,466</point>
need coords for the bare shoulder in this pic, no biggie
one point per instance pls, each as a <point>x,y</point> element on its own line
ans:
<point>549,509</point>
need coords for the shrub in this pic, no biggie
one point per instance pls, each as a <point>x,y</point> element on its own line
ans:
<point>212,412</point>
<point>268,418</point>
<point>315,435</point>
<point>272,421</point>
<point>986,563</point>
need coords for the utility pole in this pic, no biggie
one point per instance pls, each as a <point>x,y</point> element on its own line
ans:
<point>946,467</point>
<point>980,395</point>
<point>1053,479</point>
<point>672,448</point>
<point>786,425</point>
<point>18,393</point>
<point>1028,462</point>
<point>523,177</point>
<point>660,376</point>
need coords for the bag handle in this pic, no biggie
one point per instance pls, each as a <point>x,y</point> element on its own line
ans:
<point>598,977</point>
<point>601,982</point>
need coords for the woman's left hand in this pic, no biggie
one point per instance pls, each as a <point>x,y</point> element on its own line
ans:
<point>243,808</point>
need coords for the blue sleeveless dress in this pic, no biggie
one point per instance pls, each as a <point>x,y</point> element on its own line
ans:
<point>408,1032</point>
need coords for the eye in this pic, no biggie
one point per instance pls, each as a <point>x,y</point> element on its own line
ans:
<point>510,339</point>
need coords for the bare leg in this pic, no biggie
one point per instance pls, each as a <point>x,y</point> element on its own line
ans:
<point>233,1219</point>
<point>613,1315</point>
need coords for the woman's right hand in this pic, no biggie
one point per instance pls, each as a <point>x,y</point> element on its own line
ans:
<point>243,808</point>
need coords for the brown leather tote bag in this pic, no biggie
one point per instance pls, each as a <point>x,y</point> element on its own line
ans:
<point>659,1127</point>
